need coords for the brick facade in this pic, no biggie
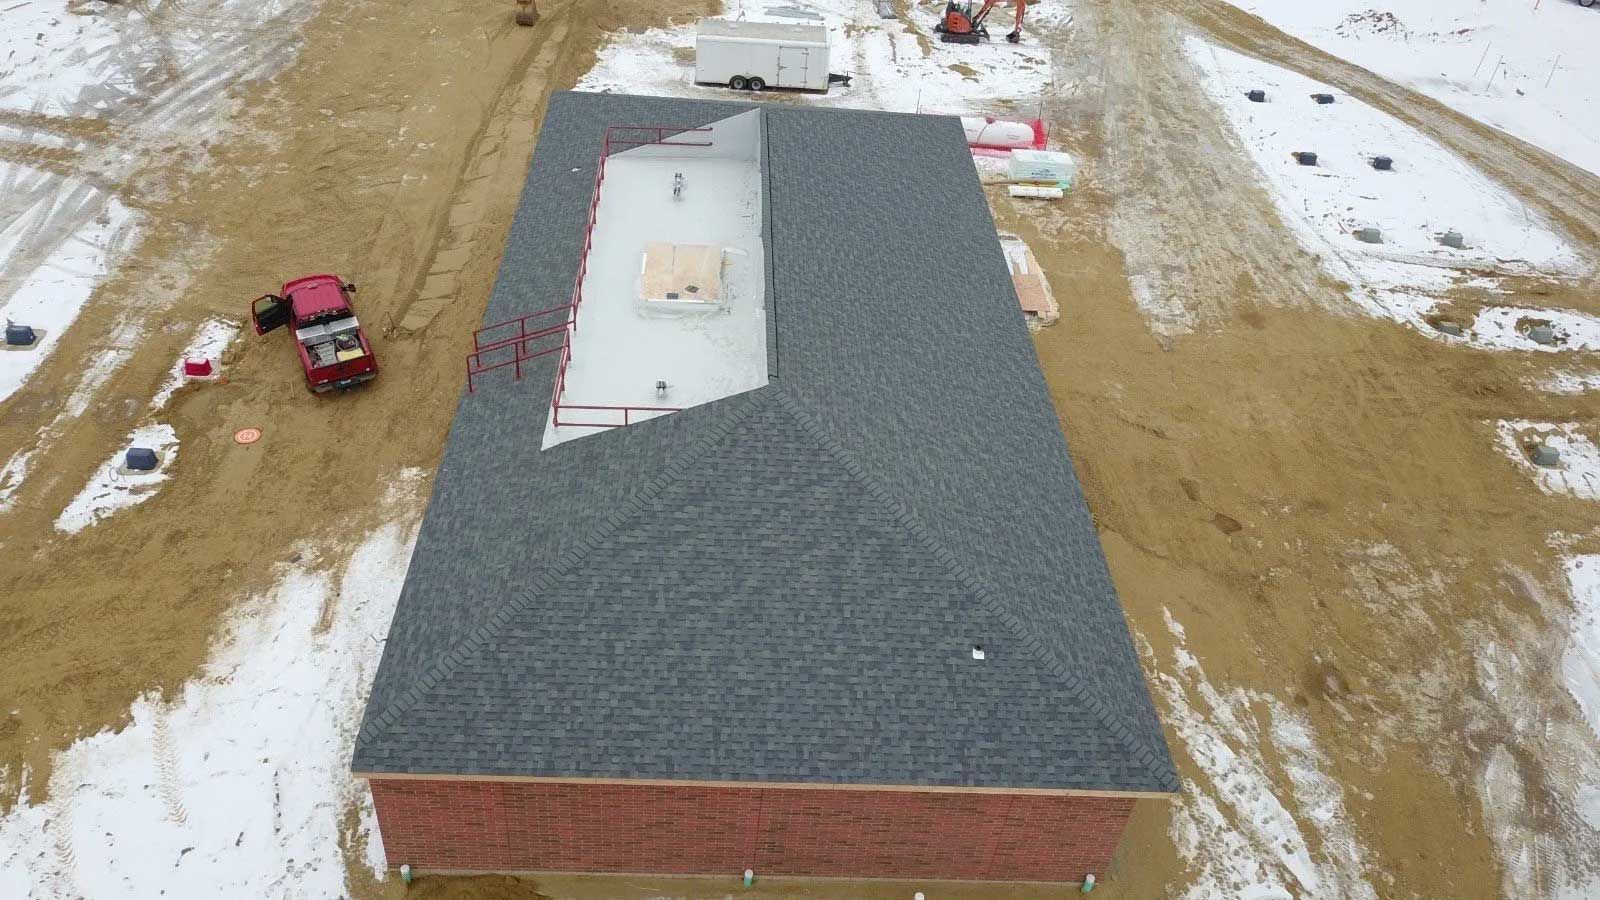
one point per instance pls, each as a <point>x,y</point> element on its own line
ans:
<point>509,826</point>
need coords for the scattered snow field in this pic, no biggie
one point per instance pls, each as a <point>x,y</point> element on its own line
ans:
<point>1577,471</point>
<point>1580,665</point>
<point>1240,835</point>
<point>162,74</point>
<point>58,239</point>
<point>1428,192</point>
<point>240,785</point>
<point>1524,66</point>
<point>890,69</point>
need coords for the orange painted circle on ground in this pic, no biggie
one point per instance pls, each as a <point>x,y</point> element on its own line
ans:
<point>247,435</point>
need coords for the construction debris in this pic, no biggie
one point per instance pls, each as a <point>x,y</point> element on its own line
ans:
<point>1043,166</point>
<point>1035,192</point>
<point>1033,289</point>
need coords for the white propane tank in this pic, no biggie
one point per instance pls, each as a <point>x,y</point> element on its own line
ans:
<point>987,131</point>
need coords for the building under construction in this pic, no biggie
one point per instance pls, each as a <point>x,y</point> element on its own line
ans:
<point>757,544</point>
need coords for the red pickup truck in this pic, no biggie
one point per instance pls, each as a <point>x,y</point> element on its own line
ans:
<point>333,349</point>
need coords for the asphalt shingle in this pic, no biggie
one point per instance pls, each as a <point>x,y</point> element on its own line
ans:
<point>785,585</point>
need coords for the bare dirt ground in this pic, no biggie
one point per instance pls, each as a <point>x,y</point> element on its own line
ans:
<point>392,154</point>
<point>1316,496</point>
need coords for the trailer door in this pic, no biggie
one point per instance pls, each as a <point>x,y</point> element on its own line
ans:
<point>792,65</point>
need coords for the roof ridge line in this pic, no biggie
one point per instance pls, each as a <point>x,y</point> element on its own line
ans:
<point>1091,699</point>
<point>446,665</point>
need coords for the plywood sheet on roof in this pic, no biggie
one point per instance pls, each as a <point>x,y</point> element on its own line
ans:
<point>684,273</point>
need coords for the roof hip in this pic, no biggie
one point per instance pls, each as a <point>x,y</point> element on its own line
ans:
<point>738,409</point>
<point>1146,756</point>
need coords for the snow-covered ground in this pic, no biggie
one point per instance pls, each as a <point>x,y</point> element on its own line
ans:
<point>58,239</point>
<point>1242,835</point>
<point>113,486</point>
<point>1580,665</point>
<point>1577,381</point>
<point>1576,473</point>
<point>1428,192</point>
<point>107,59</point>
<point>156,77</point>
<point>1506,327</point>
<point>1523,66</point>
<point>897,66</point>
<point>240,785</point>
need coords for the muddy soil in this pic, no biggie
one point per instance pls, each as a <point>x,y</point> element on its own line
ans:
<point>1315,495</point>
<point>388,166</point>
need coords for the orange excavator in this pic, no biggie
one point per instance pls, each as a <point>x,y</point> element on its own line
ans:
<point>961,26</point>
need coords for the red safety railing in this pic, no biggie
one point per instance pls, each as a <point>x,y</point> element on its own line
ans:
<point>505,348</point>
<point>510,343</point>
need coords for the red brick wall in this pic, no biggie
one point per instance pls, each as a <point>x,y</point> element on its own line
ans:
<point>524,826</point>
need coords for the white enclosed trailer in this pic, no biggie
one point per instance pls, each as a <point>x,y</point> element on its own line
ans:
<point>758,55</point>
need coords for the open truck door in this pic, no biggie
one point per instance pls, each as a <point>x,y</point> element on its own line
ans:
<point>269,311</point>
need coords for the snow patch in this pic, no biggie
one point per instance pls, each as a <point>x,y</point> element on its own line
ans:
<point>1574,382</point>
<point>1428,192</point>
<point>1241,834</point>
<point>1580,665</point>
<point>898,65</point>
<point>1519,66</point>
<point>1577,473</point>
<point>114,487</point>
<point>1506,328</point>
<point>48,293</point>
<point>239,786</point>
<point>209,341</point>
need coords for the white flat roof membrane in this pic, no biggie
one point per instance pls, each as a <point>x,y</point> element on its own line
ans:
<point>622,345</point>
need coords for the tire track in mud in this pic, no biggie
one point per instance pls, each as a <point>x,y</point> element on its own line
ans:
<point>1285,415</point>
<point>1197,232</point>
<point>456,242</point>
<point>156,90</point>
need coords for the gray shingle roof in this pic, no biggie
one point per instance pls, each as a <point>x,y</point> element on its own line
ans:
<point>784,585</point>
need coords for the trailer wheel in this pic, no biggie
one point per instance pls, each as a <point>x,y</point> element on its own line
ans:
<point>756,84</point>
<point>738,82</point>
